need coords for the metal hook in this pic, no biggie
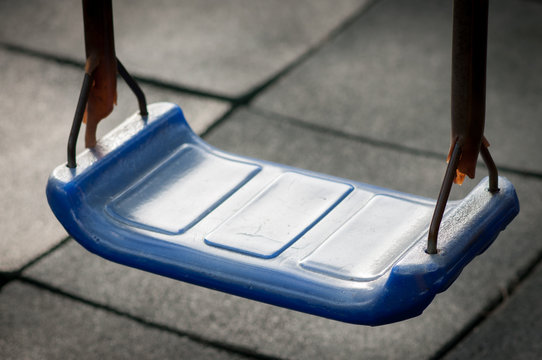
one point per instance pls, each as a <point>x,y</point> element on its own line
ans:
<point>134,87</point>
<point>442,200</point>
<point>492,169</point>
<point>78,119</point>
<point>446,188</point>
<point>82,103</point>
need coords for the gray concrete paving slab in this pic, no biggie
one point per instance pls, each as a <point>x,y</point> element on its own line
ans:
<point>289,334</point>
<point>387,77</point>
<point>37,324</point>
<point>227,47</point>
<point>512,331</point>
<point>38,100</point>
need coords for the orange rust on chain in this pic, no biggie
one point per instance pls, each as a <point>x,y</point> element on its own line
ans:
<point>468,83</point>
<point>101,63</point>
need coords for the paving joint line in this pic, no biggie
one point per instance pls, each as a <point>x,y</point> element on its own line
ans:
<point>330,36</point>
<point>4,280</point>
<point>248,97</point>
<point>38,258</point>
<point>66,60</point>
<point>493,305</point>
<point>43,55</point>
<point>6,277</point>
<point>322,129</point>
<point>484,314</point>
<point>228,347</point>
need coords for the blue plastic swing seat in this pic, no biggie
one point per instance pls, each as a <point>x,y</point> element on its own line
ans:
<point>154,196</point>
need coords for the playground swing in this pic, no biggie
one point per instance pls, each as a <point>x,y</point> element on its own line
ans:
<point>153,195</point>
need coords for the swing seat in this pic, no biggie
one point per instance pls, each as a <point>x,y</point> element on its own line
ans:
<point>154,196</point>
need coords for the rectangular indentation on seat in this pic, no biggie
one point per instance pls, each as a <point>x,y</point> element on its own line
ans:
<point>279,215</point>
<point>372,240</point>
<point>181,191</point>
